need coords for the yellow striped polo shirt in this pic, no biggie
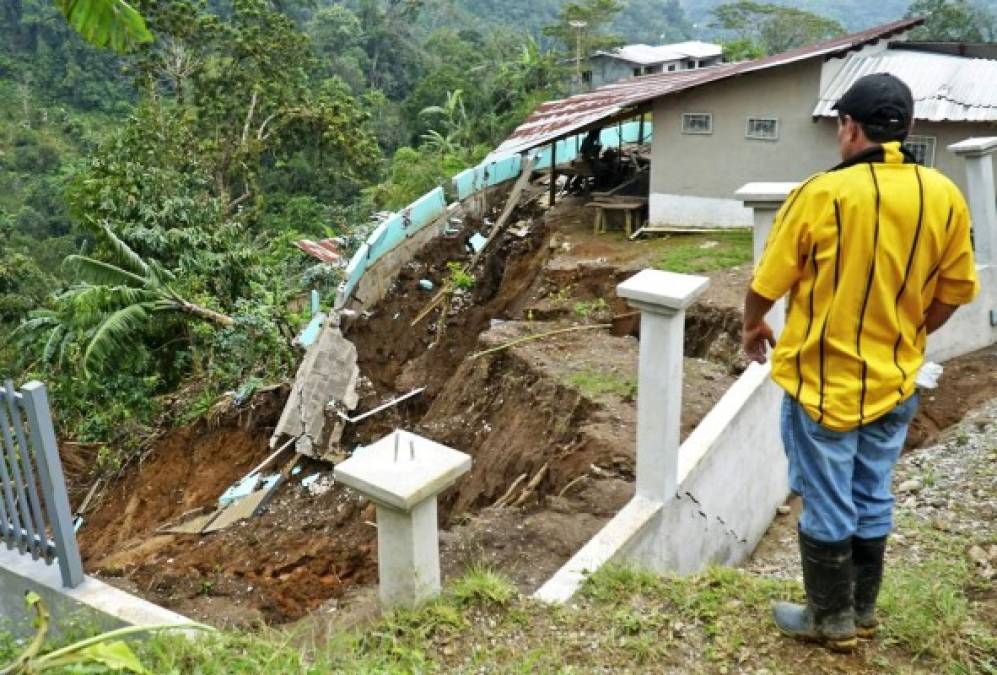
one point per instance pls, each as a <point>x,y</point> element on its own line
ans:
<point>863,250</point>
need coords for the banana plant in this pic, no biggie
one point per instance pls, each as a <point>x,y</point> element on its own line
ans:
<point>112,304</point>
<point>110,24</point>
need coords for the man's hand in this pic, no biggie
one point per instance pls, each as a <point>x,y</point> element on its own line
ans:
<point>754,339</point>
<point>755,333</point>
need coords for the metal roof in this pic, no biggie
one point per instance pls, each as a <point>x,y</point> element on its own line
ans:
<point>646,55</point>
<point>556,119</point>
<point>946,88</point>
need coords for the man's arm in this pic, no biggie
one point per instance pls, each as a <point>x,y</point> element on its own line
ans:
<point>938,313</point>
<point>755,333</point>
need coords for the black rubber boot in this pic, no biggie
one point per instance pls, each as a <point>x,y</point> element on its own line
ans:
<point>828,617</point>
<point>867,557</point>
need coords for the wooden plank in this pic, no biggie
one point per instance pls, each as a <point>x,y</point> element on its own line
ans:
<point>617,206</point>
<point>193,526</point>
<point>514,197</point>
<point>247,507</point>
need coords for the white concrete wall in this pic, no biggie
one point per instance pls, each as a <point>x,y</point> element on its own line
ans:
<point>732,473</point>
<point>92,604</point>
<point>687,211</point>
<point>733,477</point>
<point>971,327</point>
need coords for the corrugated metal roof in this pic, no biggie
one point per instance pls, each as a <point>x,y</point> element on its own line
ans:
<point>555,119</point>
<point>946,88</point>
<point>647,55</point>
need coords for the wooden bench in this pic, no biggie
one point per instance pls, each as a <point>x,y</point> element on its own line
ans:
<point>633,209</point>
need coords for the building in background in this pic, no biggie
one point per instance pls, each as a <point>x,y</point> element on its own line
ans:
<point>718,128</point>
<point>636,60</point>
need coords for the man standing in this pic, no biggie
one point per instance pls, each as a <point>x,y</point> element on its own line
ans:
<point>875,254</point>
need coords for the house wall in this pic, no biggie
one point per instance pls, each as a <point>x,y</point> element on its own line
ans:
<point>693,177</point>
<point>606,70</point>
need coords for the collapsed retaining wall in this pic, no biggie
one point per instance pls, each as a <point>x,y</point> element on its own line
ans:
<point>394,242</point>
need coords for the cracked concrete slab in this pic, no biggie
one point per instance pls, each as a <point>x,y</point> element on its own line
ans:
<point>328,374</point>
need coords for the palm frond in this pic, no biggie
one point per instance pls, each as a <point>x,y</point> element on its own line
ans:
<point>55,343</point>
<point>115,335</point>
<point>125,256</point>
<point>36,323</point>
<point>106,23</point>
<point>99,272</point>
<point>89,305</point>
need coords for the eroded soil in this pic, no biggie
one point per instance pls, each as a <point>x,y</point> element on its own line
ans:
<point>550,424</point>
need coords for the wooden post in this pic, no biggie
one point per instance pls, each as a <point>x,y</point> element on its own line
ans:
<point>640,130</point>
<point>553,172</point>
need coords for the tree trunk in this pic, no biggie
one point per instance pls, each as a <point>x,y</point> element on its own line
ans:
<point>207,314</point>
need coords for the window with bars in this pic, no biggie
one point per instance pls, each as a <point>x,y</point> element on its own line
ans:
<point>923,149</point>
<point>697,123</point>
<point>762,128</point>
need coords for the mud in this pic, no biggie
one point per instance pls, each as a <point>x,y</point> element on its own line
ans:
<point>551,426</point>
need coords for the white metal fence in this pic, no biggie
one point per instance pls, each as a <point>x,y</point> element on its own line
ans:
<point>35,517</point>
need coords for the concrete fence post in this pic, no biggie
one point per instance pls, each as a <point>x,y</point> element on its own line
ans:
<point>662,298</point>
<point>765,200</point>
<point>402,474</point>
<point>982,199</point>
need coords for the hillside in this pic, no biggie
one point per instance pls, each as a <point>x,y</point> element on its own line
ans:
<point>640,21</point>
<point>853,14</point>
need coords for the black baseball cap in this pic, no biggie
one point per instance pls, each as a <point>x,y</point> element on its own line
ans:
<point>880,99</point>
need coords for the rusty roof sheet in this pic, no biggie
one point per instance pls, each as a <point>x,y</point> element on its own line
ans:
<point>557,119</point>
<point>326,250</point>
<point>946,88</point>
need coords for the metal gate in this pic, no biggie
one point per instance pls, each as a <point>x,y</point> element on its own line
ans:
<point>34,509</point>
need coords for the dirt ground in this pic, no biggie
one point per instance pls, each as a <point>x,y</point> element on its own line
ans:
<point>550,424</point>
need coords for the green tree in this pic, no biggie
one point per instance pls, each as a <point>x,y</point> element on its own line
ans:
<point>598,17</point>
<point>952,21</point>
<point>757,28</point>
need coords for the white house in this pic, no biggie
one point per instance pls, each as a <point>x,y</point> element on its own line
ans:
<point>636,60</point>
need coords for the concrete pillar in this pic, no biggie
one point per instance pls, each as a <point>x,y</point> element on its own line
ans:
<point>765,200</point>
<point>402,474</point>
<point>662,298</point>
<point>981,198</point>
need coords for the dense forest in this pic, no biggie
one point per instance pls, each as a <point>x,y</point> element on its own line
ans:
<point>151,192</point>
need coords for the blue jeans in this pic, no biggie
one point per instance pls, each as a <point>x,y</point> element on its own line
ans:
<point>844,476</point>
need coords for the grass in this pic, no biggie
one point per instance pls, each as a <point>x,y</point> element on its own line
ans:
<point>623,619</point>
<point>929,612</point>
<point>698,253</point>
<point>595,383</point>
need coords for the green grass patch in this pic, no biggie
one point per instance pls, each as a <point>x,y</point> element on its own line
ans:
<point>623,619</point>
<point>482,586</point>
<point>925,605</point>
<point>600,383</point>
<point>698,253</point>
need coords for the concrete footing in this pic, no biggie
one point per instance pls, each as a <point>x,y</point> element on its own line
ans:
<point>402,474</point>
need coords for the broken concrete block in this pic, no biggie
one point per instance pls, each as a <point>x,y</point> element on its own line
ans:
<point>477,242</point>
<point>328,373</point>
